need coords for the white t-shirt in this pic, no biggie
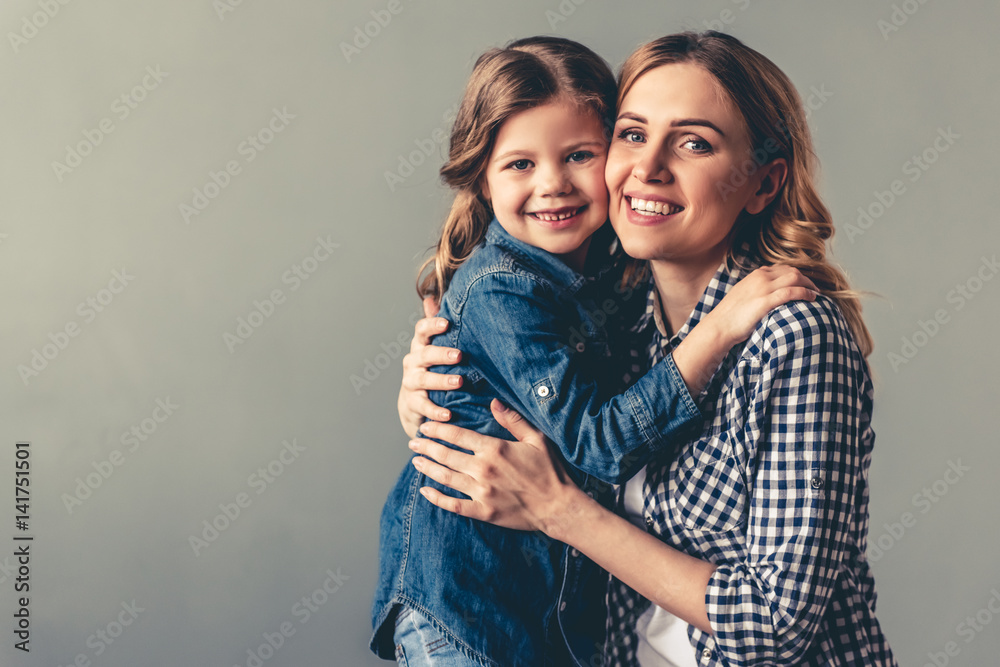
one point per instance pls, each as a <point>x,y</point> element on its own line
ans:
<point>663,638</point>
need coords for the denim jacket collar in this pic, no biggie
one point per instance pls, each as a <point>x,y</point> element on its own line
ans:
<point>598,262</point>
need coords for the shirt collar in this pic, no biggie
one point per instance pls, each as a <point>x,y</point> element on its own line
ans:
<point>728,274</point>
<point>599,256</point>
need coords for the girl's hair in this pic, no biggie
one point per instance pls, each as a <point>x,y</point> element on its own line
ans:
<point>795,226</point>
<point>526,73</point>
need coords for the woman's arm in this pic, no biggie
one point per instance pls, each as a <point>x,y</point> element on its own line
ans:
<point>806,447</point>
<point>522,485</point>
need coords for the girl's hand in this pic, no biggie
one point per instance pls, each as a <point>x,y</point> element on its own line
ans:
<point>734,318</point>
<point>413,404</point>
<point>760,292</point>
<point>520,484</point>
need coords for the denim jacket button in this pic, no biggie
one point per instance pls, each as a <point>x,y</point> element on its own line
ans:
<point>573,552</point>
<point>562,606</point>
<point>580,346</point>
<point>543,391</point>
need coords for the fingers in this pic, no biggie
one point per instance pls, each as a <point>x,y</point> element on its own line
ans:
<point>425,328</point>
<point>463,437</point>
<point>515,423</point>
<point>786,294</point>
<point>431,307</point>
<point>446,476</point>
<point>418,402</point>
<point>458,506</point>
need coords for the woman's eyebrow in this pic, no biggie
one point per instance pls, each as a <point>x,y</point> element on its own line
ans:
<point>700,122</point>
<point>683,122</point>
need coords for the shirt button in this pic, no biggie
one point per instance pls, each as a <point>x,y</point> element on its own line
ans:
<point>649,522</point>
<point>543,391</point>
<point>817,482</point>
<point>580,347</point>
<point>706,653</point>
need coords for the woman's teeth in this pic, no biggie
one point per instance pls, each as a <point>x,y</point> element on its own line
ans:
<point>550,217</point>
<point>654,207</point>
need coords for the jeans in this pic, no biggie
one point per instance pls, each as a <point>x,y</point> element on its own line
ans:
<point>420,644</point>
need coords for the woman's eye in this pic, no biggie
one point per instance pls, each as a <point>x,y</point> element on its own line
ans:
<point>519,165</point>
<point>579,156</point>
<point>631,136</point>
<point>698,145</point>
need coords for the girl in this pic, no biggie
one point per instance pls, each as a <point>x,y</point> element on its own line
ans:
<point>523,271</point>
<point>750,543</point>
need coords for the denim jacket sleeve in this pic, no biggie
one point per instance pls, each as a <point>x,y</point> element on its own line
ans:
<point>510,328</point>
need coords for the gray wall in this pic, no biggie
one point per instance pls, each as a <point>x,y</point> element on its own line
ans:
<point>164,328</point>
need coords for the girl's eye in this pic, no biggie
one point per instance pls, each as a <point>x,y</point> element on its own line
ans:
<point>632,136</point>
<point>519,165</point>
<point>579,156</point>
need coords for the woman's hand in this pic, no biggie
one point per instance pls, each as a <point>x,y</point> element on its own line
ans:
<point>413,404</point>
<point>520,485</point>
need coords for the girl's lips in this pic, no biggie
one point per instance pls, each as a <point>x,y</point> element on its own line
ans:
<point>558,218</point>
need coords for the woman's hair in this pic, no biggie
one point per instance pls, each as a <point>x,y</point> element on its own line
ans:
<point>526,73</point>
<point>794,227</point>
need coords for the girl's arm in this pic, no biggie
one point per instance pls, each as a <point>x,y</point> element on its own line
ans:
<point>696,358</point>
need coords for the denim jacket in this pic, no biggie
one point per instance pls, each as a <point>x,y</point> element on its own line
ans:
<point>534,333</point>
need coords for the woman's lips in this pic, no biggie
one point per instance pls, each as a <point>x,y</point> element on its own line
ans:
<point>641,211</point>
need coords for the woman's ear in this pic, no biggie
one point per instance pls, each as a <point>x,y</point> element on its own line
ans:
<point>772,176</point>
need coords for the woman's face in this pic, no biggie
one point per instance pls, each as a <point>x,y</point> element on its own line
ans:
<point>673,167</point>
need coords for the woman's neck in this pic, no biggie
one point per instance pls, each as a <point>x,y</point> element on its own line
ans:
<point>681,285</point>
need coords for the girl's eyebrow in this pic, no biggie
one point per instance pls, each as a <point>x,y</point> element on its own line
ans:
<point>683,122</point>
<point>527,153</point>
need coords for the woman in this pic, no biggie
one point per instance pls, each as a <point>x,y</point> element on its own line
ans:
<point>754,535</point>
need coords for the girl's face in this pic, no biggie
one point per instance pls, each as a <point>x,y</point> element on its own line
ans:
<point>545,179</point>
<point>675,168</point>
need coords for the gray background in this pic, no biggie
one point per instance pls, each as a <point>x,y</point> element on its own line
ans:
<point>356,117</point>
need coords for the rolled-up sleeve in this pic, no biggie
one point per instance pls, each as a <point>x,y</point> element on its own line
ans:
<point>512,333</point>
<point>803,438</point>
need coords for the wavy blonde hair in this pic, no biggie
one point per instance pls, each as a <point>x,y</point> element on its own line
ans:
<point>794,228</point>
<point>527,73</point>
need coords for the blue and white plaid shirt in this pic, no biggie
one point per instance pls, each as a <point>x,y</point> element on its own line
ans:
<point>774,492</point>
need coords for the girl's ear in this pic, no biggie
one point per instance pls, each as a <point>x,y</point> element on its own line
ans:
<point>772,176</point>
<point>484,188</point>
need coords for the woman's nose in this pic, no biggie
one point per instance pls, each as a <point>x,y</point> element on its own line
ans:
<point>651,167</point>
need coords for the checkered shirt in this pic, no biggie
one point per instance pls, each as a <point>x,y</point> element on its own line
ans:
<point>774,492</point>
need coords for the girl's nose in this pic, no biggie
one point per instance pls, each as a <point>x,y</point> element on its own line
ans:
<point>554,182</point>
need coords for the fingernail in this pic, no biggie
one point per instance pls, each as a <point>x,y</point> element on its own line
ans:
<point>453,354</point>
<point>442,323</point>
<point>413,444</point>
<point>444,415</point>
<point>453,381</point>
<point>501,407</point>
<point>418,463</point>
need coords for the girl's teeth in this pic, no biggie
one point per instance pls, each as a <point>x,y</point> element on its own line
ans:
<point>656,207</point>
<point>548,217</point>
